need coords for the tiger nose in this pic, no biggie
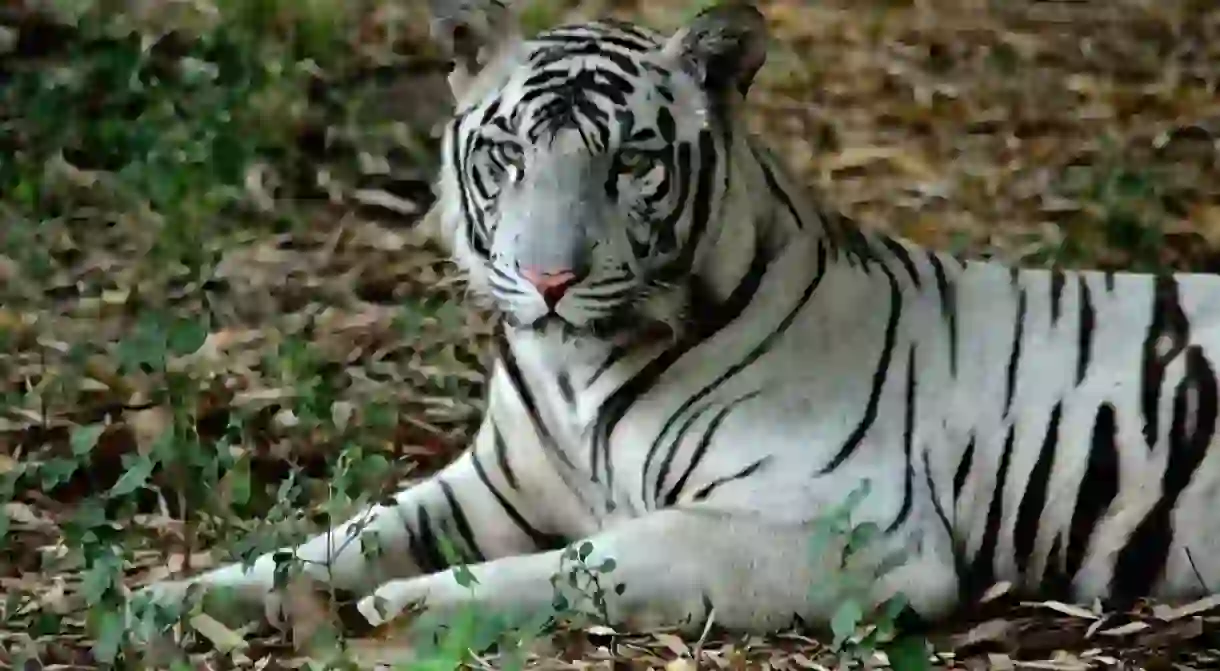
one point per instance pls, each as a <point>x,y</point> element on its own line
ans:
<point>551,284</point>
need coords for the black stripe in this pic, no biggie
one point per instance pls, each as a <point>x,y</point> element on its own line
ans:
<point>1167,337</point>
<point>616,406</point>
<point>908,440</point>
<point>573,43</point>
<point>1084,339</point>
<point>424,548</point>
<point>564,382</point>
<point>959,560</point>
<point>413,548</point>
<point>666,231</point>
<point>616,354</point>
<point>948,307</point>
<point>758,351</point>
<point>1029,512</point>
<point>542,541</point>
<point>471,215</point>
<point>518,384</point>
<point>701,208</point>
<point>777,191</point>
<point>1056,583</point>
<point>1014,359</point>
<point>501,449</point>
<point>746,472</point>
<point>507,285</point>
<point>674,446</point>
<point>981,573</point>
<point>880,375</point>
<point>597,80</point>
<point>963,470</point>
<point>696,457</point>
<point>1057,282</point>
<point>1098,487</point>
<point>904,257</point>
<point>459,520</point>
<point>1141,562</point>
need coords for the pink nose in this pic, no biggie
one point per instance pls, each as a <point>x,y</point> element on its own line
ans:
<point>552,285</point>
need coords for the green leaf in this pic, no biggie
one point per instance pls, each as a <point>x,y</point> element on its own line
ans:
<point>4,523</point>
<point>819,540</point>
<point>145,347</point>
<point>464,576</point>
<point>894,607</point>
<point>239,481</point>
<point>909,653</point>
<point>845,620</point>
<point>57,471</point>
<point>84,438</point>
<point>45,624</point>
<point>97,580</point>
<point>138,470</point>
<point>186,336</point>
<point>108,636</point>
<point>892,561</point>
<point>857,496</point>
<point>372,469</point>
<point>861,537</point>
<point>449,550</point>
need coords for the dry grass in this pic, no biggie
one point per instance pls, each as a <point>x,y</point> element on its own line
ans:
<point>1084,133</point>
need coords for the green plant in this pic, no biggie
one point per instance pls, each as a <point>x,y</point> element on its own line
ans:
<point>585,581</point>
<point>860,627</point>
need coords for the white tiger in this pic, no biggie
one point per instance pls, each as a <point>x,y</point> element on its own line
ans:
<point>694,363</point>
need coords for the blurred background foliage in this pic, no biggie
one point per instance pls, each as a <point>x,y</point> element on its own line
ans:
<point>219,326</point>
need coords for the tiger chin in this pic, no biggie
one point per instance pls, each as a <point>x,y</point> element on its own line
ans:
<point>1048,428</point>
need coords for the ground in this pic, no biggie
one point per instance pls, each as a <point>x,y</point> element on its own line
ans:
<point>219,325</point>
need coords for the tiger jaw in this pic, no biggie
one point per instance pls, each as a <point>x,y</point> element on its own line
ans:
<point>657,312</point>
<point>631,327</point>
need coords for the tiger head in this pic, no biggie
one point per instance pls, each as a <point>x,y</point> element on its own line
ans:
<point>586,181</point>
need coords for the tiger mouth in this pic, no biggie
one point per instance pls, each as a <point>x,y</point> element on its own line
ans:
<point>621,329</point>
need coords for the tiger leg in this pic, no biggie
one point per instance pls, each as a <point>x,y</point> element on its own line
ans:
<point>470,502</point>
<point>674,566</point>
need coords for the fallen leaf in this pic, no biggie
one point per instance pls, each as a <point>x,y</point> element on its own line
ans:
<point>21,513</point>
<point>1069,609</point>
<point>148,425</point>
<point>995,591</point>
<point>226,640</point>
<point>1169,613</point>
<point>991,630</point>
<point>1126,629</point>
<point>674,644</point>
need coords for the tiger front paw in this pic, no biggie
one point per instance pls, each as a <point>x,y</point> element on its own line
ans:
<point>229,603</point>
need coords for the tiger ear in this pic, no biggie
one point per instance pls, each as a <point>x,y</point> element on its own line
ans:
<point>723,47</point>
<point>471,33</point>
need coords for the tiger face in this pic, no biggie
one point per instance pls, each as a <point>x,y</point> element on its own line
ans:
<point>578,179</point>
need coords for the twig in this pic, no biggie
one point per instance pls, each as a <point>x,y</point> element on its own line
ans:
<point>707,628</point>
<point>1198,576</point>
